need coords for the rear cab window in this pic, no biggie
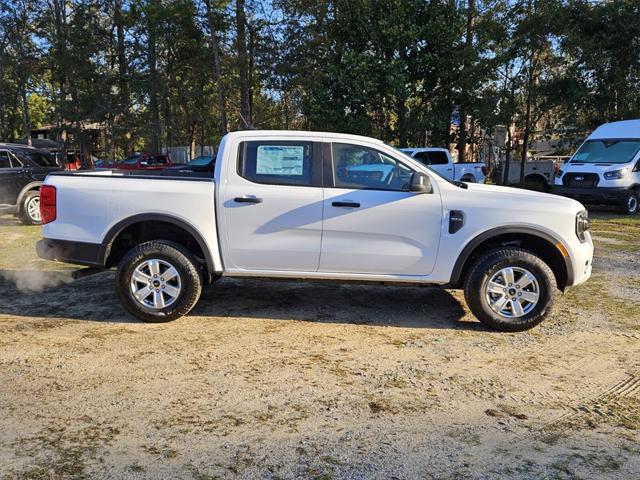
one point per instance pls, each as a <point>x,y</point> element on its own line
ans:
<point>432,158</point>
<point>278,163</point>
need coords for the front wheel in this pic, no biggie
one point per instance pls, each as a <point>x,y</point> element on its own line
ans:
<point>158,281</point>
<point>630,206</point>
<point>510,289</point>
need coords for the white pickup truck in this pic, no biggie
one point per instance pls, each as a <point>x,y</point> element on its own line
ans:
<point>439,160</point>
<point>309,205</point>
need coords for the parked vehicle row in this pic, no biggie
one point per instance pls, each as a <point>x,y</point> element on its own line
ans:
<point>317,206</point>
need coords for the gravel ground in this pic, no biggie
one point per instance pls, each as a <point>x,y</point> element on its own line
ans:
<point>303,380</point>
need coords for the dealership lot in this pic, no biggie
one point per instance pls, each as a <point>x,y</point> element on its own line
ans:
<point>292,379</point>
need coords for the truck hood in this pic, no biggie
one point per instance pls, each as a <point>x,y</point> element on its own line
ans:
<point>599,168</point>
<point>533,199</point>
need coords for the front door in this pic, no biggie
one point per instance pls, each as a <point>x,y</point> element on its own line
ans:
<point>372,224</point>
<point>272,206</point>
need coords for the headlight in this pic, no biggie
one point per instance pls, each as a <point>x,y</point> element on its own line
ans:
<point>582,225</point>
<point>615,174</point>
<point>559,174</point>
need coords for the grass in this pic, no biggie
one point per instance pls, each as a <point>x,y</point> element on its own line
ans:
<point>594,296</point>
<point>17,247</point>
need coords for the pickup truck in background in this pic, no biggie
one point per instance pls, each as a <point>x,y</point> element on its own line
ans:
<point>312,205</point>
<point>439,160</point>
<point>145,161</point>
<point>605,169</point>
<point>538,174</point>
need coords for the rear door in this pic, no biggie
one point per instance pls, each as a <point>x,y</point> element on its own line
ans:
<point>10,178</point>
<point>372,223</point>
<point>272,206</point>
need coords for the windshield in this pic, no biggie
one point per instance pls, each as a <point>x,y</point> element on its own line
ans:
<point>607,151</point>
<point>42,159</point>
<point>201,161</point>
<point>131,160</point>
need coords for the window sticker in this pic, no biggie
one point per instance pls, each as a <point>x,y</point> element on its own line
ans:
<point>280,160</point>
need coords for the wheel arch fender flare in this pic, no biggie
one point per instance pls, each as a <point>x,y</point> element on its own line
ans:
<point>115,230</point>
<point>468,249</point>
<point>27,188</point>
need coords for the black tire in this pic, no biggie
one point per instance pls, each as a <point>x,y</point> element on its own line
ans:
<point>487,266</point>
<point>168,253</point>
<point>27,214</point>
<point>631,204</point>
<point>536,183</point>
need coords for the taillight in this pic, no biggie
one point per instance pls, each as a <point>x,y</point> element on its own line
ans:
<point>47,203</point>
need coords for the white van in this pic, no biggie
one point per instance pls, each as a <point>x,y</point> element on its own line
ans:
<point>605,169</point>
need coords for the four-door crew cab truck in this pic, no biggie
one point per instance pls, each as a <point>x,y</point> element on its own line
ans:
<point>309,205</point>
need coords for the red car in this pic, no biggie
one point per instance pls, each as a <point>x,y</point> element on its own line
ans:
<point>145,161</point>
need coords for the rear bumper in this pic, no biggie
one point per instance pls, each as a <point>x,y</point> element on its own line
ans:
<point>593,195</point>
<point>79,253</point>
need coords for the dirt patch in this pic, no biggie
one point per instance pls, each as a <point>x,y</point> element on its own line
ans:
<point>301,380</point>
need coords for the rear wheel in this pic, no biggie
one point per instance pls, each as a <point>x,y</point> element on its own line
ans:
<point>158,281</point>
<point>630,206</point>
<point>510,289</point>
<point>535,183</point>
<point>30,209</point>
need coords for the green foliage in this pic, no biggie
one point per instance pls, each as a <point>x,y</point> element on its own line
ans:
<point>400,70</point>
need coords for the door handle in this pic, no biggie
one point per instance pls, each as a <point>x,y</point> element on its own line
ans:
<point>247,199</point>
<point>346,204</point>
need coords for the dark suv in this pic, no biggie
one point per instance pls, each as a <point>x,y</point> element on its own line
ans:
<point>22,171</point>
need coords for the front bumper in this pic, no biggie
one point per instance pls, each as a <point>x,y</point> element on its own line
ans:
<point>593,195</point>
<point>79,253</point>
<point>582,261</point>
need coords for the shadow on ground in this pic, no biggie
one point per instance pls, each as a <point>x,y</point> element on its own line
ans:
<point>93,299</point>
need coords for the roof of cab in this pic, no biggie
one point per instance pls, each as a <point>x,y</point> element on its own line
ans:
<point>614,130</point>
<point>298,133</point>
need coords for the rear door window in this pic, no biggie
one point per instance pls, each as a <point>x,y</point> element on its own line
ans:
<point>277,162</point>
<point>5,161</point>
<point>432,158</point>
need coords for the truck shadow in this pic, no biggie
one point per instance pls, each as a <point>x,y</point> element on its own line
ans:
<point>93,299</point>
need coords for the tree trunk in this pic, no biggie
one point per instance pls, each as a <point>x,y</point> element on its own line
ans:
<point>215,43</point>
<point>533,65</point>
<point>154,122</point>
<point>241,46</point>
<point>123,81</point>
<point>464,93</point>
<point>26,120</point>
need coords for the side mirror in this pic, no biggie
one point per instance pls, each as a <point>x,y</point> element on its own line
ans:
<point>420,183</point>
<point>637,167</point>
